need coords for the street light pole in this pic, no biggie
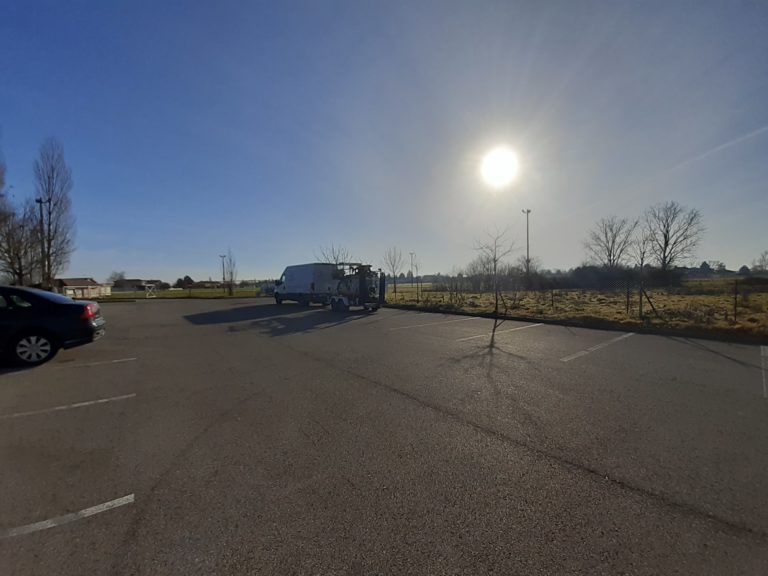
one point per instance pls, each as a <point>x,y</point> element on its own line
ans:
<point>43,273</point>
<point>223,275</point>
<point>527,213</point>
<point>412,255</point>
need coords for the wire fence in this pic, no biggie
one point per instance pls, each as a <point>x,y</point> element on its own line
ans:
<point>721,303</point>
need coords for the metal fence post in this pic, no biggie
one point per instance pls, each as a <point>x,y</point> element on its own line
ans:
<point>627,297</point>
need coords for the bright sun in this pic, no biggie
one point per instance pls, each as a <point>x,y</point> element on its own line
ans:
<point>499,167</point>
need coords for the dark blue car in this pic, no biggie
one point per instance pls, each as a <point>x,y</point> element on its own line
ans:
<point>35,324</point>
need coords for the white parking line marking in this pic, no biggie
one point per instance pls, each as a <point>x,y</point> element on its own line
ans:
<point>499,332</point>
<point>596,347</point>
<point>435,323</point>
<point>66,407</point>
<point>101,363</point>
<point>67,518</point>
<point>763,356</point>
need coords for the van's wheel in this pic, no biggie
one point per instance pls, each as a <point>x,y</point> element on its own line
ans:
<point>32,348</point>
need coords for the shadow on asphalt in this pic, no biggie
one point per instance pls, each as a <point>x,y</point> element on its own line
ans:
<point>274,320</point>
<point>7,367</point>
<point>704,347</point>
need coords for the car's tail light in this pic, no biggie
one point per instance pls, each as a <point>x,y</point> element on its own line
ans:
<point>89,312</point>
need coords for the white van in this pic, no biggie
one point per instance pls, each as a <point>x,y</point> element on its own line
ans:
<point>307,283</point>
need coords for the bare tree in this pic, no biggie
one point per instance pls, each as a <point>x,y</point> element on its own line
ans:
<point>2,174</point>
<point>761,264</point>
<point>674,231</point>
<point>230,272</point>
<point>494,250</point>
<point>393,263</point>
<point>19,235</point>
<point>639,251</point>
<point>609,241</point>
<point>479,274</point>
<point>53,183</point>
<point>529,266</point>
<point>116,276</point>
<point>640,248</point>
<point>334,254</point>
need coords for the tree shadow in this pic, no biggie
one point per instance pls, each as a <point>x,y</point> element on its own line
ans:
<point>490,352</point>
<point>702,346</point>
<point>276,320</point>
<point>239,313</point>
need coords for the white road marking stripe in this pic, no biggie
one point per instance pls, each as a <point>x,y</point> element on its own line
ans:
<point>101,363</point>
<point>66,407</point>
<point>435,323</point>
<point>596,347</point>
<point>499,332</point>
<point>67,518</point>
<point>763,356</point>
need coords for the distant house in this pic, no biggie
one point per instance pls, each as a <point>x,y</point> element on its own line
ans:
<point>82,288</point>
<point>128,285</point>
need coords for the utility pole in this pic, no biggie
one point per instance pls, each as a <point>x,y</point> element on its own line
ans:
<point>223,274</point>
<point>527,213</point>
<point>44,280</point>
<point>412,255</point>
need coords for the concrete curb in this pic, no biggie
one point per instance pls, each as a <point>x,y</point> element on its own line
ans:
<point>717,335</point>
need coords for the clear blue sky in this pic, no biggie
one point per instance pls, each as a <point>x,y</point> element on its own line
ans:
<point>277,127</point>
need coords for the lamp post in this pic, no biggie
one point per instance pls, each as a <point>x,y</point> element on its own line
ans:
<point>223,274</point>
<point>44,280</point>
<point>527,213</point>
<point>412,255</point>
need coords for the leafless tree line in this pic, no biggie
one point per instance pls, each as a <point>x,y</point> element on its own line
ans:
<point>334,254</point>
<point>666,236</point>
<point>37,234</point>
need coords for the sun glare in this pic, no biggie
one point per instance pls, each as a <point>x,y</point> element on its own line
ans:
<point>499,167</point>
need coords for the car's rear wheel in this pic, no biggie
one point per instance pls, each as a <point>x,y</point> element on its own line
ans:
<point>33,348</point>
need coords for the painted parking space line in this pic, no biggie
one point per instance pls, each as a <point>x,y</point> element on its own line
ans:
<point>103,363</point>
<point>67,518</point>
<point>763,361</point>
<point>499,332</point>
<point>596,347</point>
<point>66,407</point>
<point>435,323</point>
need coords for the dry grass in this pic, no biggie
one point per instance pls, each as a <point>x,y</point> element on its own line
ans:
<point>710,312</point>
<point>193,293</point>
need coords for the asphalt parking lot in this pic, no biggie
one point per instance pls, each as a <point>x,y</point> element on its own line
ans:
<point>236,436</point>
